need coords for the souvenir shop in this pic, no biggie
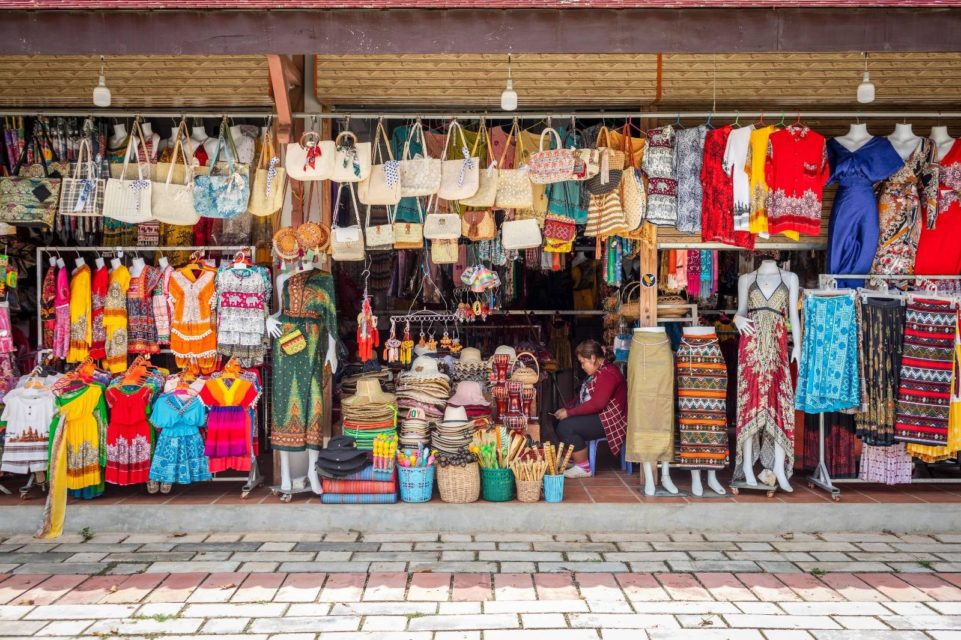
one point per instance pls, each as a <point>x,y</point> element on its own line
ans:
<point>400,307</point>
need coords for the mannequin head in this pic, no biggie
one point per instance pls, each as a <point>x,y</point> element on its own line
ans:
<point>590,354</point>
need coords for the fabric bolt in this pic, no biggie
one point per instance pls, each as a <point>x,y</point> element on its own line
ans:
<point>658,166</point>
<point>161,307</point>
<point>141,326</point>
<point>243,300</point>
<point>756,159</point>
<point>61,342</point>
<point>48,307</point>
<point>924,393</point>
<point>828,376</point>
<point>179,457</point>
<point>605,394</point>
<point>765,398</point>
<point>717,194</point>
<point>702,403</point>
<point>128,436</point>
<point>650,385</point>
<point>115,320</point>
<point>99,285</point>
<point>885,465</point>
<point>882,329</point>
<point>853,229</point>
<point>735,165</point>
<point>690,158</point>
<point>939,252</point>
<point>796,171</point>
<point>28,414</point>
<point>193,324</point>
<point>900,214</point>
<point>308,306</point>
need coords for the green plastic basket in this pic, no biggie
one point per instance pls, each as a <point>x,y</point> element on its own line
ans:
<point>497,485</point>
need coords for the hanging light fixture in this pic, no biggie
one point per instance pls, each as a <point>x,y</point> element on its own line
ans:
<point>101,94</point>
<point>866,88</point>
<point>508,95</point>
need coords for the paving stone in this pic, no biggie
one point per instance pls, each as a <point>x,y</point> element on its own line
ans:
<point>231,547</point>
<point>596,547</point>
<point>622,621</point>
<point>646,556</point>
<point>60,568</point>
<point>453,567</point>
<point>402,556</point>
<point>609,606</point>
<point>324,567</point>
<point>910,608</point>
<point>518,567</point>
<point>870,635</point>
<point>852,588</point>
<point>367,609</point>
<point>429,587</point>
<point>176,587</point>
<point>80,611</point>
<point>699,545</point>
<point>923,623</point>
<point>457,608</point>
<point>459,556</point>
<point>387,567</point>
<point>311,624</point>
<point>541,634</point>
<point>157,546</point>
<point>648,567</point>
<point>759,608</point>
<point>193,567</point>
<point>21,627</point>
<point>344,587</point>
<point>543,621</point>
<point>127,569</point>
<point>465,546</point>
<point>535,606</point>
<point>51,590</point>
<point>554,586</point>
<point>514,586</point>
<point>641,587</point>
<point>259,567</point>
<point>447,623</point>
<point>845,567</point>
<point>682,587</point>
<point>300,587</point>
<point>171,556</point>
<point>72,628</point>
<point>471,587</point>
<point>337,546</point>
<point>835,608</point>
<point>455,537</point>
<point>217,587</point>
<point>701,621</point>
<point>893,587</point>
<point>703,634</point>
<point>226,625</point>
<point>725,586</point>
<point>808,587</point>
<point>386,587</point>
<point>291,556</point>
<point>384,623</point>
<point>258,588</point>
<point>516,546</point>
<point>780,622</point>
<point>582,567</point>
<point>165,609</point>
<point>405,537</point>
<point>860,622</point>
<point>786,634</point>
<point>396,546</point>
<point>13,612</point>
<point>779,567</point>
<point>726,566</point>
<point>598,586</point>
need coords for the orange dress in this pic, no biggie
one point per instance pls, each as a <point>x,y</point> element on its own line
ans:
<point>193,329</point>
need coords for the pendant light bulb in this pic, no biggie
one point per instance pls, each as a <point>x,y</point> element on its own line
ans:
<point>101,94</point>
<point>866,88</point>
<point>508,95</point>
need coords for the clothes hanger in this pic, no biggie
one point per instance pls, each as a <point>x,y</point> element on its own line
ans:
<point>760,121</point>
<point>710,117</point>
<point>737,120</point>
<point>781,123</point>
<point>677,122</point>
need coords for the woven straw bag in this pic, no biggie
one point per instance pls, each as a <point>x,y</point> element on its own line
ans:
<point>459,485</point>
<point>129,200</point>
<point>171,201</point>
<point>514,189</point>
<point>267,191</point>
<point>487,177</point>
<point>523,373</point>
<point>311,158</point>
<point>82,194</point>
<point>382,186</point>
<point>351,158</point>
<point>459,178</point>
<point>421,175</point>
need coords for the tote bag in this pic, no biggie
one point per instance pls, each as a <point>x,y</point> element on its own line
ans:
<point>82,194</point>
<point>30,196</point>
<point>310,158</point>
<point>129,200</point>
<point>551,165</point>
<point>382,186</point>
<point>223,196</point>
<point>486,192</point>
<point>521,234</point>
<point>459,179</point>
<point>173,203</point>
<point>421,175</point>
<point>347,243</point>
<point>514,190</point>
<point>380,236</point>
<point>267,192</point>
<point>351,158</point>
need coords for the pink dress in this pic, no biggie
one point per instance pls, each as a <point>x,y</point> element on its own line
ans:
<point>61,336</point>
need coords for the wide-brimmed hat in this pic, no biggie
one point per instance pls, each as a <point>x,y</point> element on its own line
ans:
<point>424,367</point>
<point>286,246</point>
<point>509,350</point>
<point>469,393</point>
<point>369,392</point>
<point>469,355</point>
<point>313,237</point>
<point>340,449</point>
<point>454,416</point>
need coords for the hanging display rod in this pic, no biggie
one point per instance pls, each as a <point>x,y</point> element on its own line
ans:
<point>773,114</point>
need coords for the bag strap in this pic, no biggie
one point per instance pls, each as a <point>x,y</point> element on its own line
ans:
<point>554,134</point>
<point>381,135</point>
<point>181,135</point>
<point>487,139</point>
<point>135,134</point>
<point>226,141</point>
<point>607,138</point>
<point>390,216</point>
<point>84,150</point>
<point>267,150</point>
<point>353,197</point>
<point>417,126</point>
<point>507,145</point>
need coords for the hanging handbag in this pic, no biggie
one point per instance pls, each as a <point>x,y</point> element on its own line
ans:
<point>514,190</point>
<point>170,202</point>
<point>382,186</point>
<point>521,234</point>
<point>311,158</point>
<point>381,236</point>
<point>223,196</point>
<point>611,167</point>
<point>441,226</point>
<point>29,197</point>
<point>634,201</point>
<point>347,243</point>
<point>267,192</point>
<point>443,251</point>
<point>129,200</point>
<point>420,175</point>
<point>82,194</point>
<point>459,179</point>
<point>486,192</point>
<point>351,158</point>
<point>605,216</point>
<point>478,226</point>
<point>551,165</point>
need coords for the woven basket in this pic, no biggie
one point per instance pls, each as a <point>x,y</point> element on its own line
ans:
<point>529,490</point>
<point>459,485</point>
<point>497,485</point>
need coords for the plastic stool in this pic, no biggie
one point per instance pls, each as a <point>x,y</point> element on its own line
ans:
<point>626,466</point>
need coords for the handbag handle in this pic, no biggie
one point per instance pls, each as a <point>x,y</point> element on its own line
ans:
<point>517,359</point>
<point>32,140</point>
<point>484,131</point>
<point>390,216</point>
<point>226,141</point>
<point>311,138</point>
<point>607,137</point>
<point>135,134</point>
<point>381,135</point>
<point>181,135</point>
<point>417,126</point>
<point>353,197</point>
<point>84,150</point>
<point>267,150</point>
<point>507,145</point>
<point>556,136</point>
<point>454,124</point>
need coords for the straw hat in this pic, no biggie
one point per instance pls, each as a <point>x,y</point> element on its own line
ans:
<point>286,246</point>
<point>313,237</point>
<point>470,354</point>
<point>369,392</point>
<point>425,367</point>
<point>455,416</point>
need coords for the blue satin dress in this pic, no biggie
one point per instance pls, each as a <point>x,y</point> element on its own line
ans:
<point>854,229</point>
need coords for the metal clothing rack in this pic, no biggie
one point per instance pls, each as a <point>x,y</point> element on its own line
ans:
<point>821,478</point>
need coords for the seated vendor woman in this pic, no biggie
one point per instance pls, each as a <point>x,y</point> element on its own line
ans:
<point>599,412</point>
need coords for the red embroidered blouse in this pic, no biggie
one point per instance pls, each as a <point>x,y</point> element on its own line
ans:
<point>796,171</point>
<point>717,187</point>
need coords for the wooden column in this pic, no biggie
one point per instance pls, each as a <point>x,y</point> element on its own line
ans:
<point>648,263</point>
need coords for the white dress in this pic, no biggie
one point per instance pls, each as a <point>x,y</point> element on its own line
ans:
<point>735,159</point>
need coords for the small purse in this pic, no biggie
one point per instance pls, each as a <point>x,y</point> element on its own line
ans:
<point>441,226</point>
<point>521,234</point>
<point>382,186</point>
<point>552,165</point>
<point>421,175</point>
<point>514,190</point>
<point>486,192</point>
<point>351,158</point>
<point>443,251</point>
<point>173,203</point>
<point>459,179</point>
<point>82,194</point>
<point>347,243</point>
<point>478,226</point>
<point>311,158</point>
<point>381,236</point>
<point>129,200</point>
<point>267,194</point>
<point>292,343</point>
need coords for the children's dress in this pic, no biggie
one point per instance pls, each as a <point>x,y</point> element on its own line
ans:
<point>128,436</point>
<point>179,457</point>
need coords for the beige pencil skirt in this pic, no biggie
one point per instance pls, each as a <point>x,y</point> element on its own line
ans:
<point>650,399</point>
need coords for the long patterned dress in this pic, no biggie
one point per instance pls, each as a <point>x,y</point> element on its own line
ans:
<point>101,280</point>
<point>899,210</point>
<point>702,403</point>
<point>690,156</point>
<point>48,307</point>
<point>80,329</point>
<point>298,402</point>
<point>765,409</point>
<point>141,326</point>
<point>658,166</point>
<point>61,338</point>
<point>243,298</point>
<point>115,320</point>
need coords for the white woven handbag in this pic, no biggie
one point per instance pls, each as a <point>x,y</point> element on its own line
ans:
<point>82,195</point>
<point>514,189</point>
<point>267,190</point>
<point>486,192</point>
<point>380,236</point>
<point>173,203</point>
<point>351,158</point>
<point>521,234</point>
<point>382,186</point>
<point>459,179</point>
<point>347,243</point>
<point>419,176</point>
<point>129,200</point>
<point>442,226</point>
<point>311,158</point>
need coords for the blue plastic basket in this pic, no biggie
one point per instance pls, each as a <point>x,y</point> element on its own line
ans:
<point>416,483</point>
<point>553,488</point>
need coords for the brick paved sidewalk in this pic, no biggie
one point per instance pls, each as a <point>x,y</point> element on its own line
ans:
<point>457,587</point>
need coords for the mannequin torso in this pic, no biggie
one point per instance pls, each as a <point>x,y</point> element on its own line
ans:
<point>943,141</point>
<point>118,137</point>
<point>153,138</point>
<point>80,262</point>
<point>136,268</point>
<point>856,137</point>
<point>904,140</point>
<point>697,331</point>
<point>99,262</point>
<point>114,263</point>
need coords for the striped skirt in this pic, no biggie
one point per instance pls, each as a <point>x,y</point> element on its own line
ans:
<point>702,403</point>
<point>924,395</point>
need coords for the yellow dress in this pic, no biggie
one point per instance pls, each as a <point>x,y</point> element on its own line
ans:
<point>115,320</point>
<point>930,454</point>
<point>81,308</point>
<point>82,419</point>
<point>756,159</point>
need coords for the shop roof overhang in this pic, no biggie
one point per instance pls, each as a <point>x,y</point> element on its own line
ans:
<point>417,30</point>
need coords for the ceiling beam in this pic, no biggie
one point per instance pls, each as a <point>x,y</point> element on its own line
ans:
<point>479,31</point>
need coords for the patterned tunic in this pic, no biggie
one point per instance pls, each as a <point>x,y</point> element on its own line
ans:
<point>717,194</point>
<point>702,403</point>
<point>658,166</point>
<point>243,298</point>
<point>80,329</point>
<point>115,320</point>
<point>735,161</point>
<point>48,307</point>
<point>193,324</point>
<point>690,157</point>
<point>142,328</point>
<point>795,172</point>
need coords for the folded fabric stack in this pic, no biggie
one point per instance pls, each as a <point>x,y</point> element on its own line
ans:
<point>422,394</point>
<point>454,432</point>
<point>470,396</point>
<point>367,486</point>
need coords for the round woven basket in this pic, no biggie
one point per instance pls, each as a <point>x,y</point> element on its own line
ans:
<point>497,485</point>
<point>459,485</point>
<point>529,490</point>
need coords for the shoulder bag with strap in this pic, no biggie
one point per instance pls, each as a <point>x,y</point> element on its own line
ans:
<point>410,235</point>
<point>547,166</point>
<point>441,226</point>
<point>223,196</point>
<point>514,189</point>
<point>633,194</point>
<point>347,243</point>
<point>459,178</point>
<point>173,203</point>
<point>267,193</point>
<point>382,186</point>
<point>421,175</point>
<point>129,200</point>
<point>351,158</point>
<point>486,192</point>
<point>611,166</point>
<point>29,197</point>
<point>380,236</point>
<point>82,194</point>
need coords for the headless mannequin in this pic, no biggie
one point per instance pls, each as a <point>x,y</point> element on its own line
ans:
<point>80,262</point>
<point>98,262</point>
<point>650,484</point>
<point>904,140</point>
<point>163,263</point>
<point>856,137</point>
<point>273,328</point>
<point>60,263</point>
<point>136,268</point>
<point>696,487</point>
<point>768,277</point>
<point>114,263</point>
<point>198,135</point>
<point>941,139</point>
<point>154,139</point>
<point>119,136</point>
<point>53,261</point>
